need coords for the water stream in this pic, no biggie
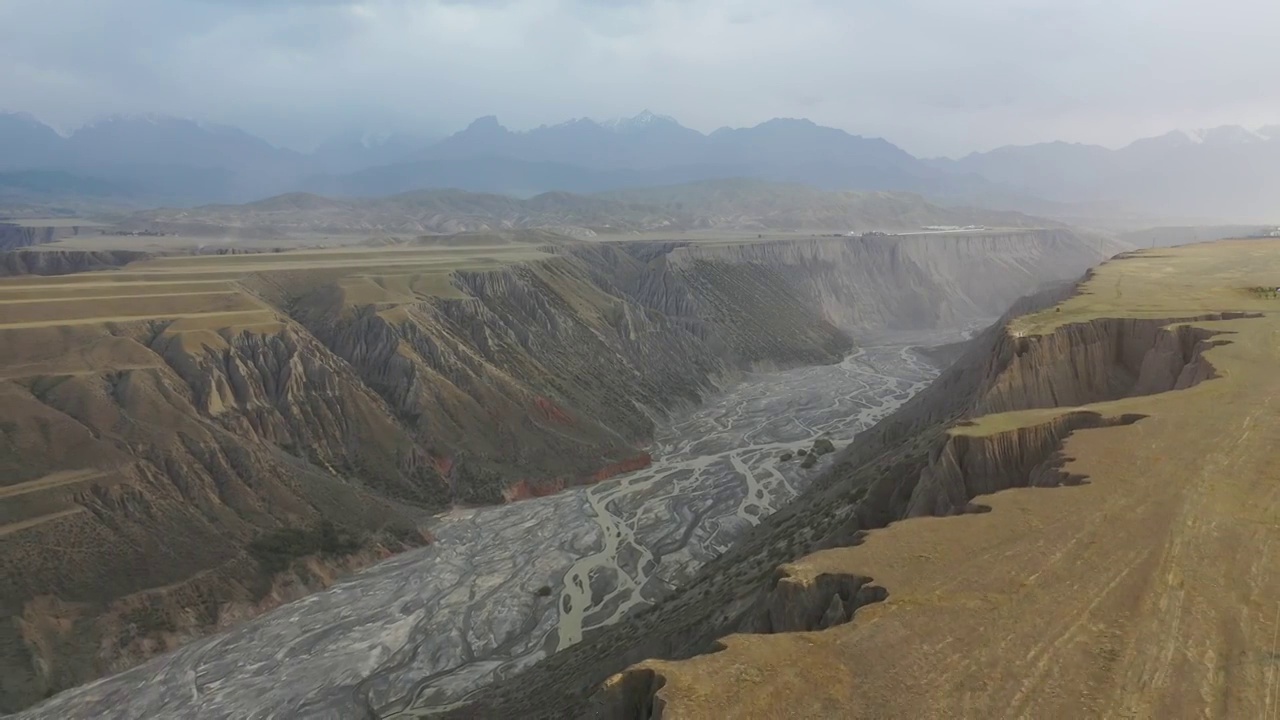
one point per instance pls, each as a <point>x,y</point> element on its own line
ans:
<point>503,586</point>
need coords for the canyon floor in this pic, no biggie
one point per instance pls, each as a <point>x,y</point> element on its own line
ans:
<point>194,438</point>
<point>502,586</point>
<point>1147,588</point>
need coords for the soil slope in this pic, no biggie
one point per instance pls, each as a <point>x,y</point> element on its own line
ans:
<point>176,431</point>
<point>1132,571</point>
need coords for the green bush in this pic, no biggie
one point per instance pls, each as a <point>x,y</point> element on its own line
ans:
<point>277,549</point>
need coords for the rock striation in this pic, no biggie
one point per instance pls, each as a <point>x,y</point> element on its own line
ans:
<point>14,236</point>
<point>998,419</point>
<point>148,461</point>
<point>926,460</point>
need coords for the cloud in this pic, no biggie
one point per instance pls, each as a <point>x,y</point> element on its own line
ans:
<point>933,75</point>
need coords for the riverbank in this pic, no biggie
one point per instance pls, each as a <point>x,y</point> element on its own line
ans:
<point>502,586</point>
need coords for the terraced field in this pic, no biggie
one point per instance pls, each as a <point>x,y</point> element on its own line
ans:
<point>207,289</point>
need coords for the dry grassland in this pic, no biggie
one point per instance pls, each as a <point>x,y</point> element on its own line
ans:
<point>1152,590</point>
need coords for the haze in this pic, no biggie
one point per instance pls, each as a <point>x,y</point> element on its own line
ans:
<point>935,77</point>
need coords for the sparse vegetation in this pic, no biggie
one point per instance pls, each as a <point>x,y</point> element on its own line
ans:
<point>147,619</point>
<point>276,550</point>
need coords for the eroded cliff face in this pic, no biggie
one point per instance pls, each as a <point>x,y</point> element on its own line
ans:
<point>931,458</point>
<point>1026,456</point>
<point>14,236</point>
<point>914,281</point>
<point>161,450</point>
<point>1075,364</point>
<point>1104,359</point>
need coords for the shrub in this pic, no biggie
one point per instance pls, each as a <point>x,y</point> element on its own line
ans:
<point>277,549</point>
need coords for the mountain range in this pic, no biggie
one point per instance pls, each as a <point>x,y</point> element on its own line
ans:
<point>1227,172</point>
<point>1223,173</point>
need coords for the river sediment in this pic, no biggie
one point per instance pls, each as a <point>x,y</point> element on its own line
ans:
<point>503,586</point>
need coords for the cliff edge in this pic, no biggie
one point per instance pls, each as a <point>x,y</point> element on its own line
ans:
<point>1102,518</point>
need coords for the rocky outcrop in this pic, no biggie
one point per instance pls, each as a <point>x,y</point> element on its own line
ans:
<point>629,694</point>
<point>973,465</point>
<point>1073,365</point>
<point>799,601</point>
<point>288,391</point>
<point>1103,359</point>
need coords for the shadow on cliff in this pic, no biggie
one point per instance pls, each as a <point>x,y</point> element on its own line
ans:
<point>1078,364</point>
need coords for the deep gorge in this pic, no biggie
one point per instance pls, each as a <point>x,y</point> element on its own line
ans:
<point>479,399</point>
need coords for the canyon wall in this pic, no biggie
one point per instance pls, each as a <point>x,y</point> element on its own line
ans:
<point>931,458</point>
<point>14,236</point>
<point>63,262</point>
<point>165,478</point>
<point>914,281</point>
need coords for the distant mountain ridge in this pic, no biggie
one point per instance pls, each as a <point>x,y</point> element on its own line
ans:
<point>181,162</point>
<point>1227,172</point>
<point>1220,173</point>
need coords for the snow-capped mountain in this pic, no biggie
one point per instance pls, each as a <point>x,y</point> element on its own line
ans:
<point>644,120</point>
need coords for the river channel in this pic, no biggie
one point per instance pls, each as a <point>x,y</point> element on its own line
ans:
<point>503,586</point>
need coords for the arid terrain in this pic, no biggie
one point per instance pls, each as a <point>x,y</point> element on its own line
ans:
<point>452,360</point>
<point>193,439</point>
<point>1111,510</point>
<point>503,586</point>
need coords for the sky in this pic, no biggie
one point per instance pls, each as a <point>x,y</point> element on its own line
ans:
<point>937,77</point>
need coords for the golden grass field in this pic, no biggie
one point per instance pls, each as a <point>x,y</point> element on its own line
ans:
<point>1150,591</point>
<point>209,288</point>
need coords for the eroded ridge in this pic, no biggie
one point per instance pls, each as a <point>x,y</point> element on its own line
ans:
<point>1141,590</point>
<point>236,402</point>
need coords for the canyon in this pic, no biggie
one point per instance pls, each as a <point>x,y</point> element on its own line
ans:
<point>253,397</point>
<point>1073,520</point>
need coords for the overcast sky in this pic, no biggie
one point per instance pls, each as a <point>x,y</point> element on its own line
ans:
<point>934,76</point>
